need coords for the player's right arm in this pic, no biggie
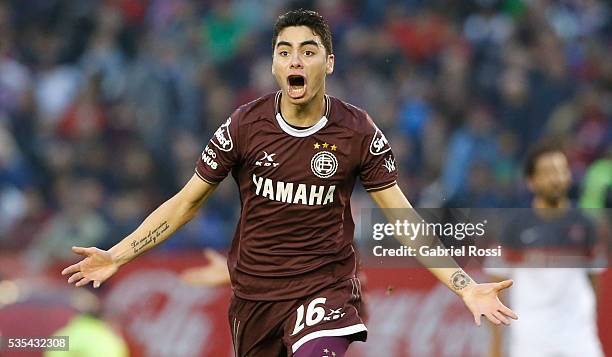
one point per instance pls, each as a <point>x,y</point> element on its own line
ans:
<point>98,265</point>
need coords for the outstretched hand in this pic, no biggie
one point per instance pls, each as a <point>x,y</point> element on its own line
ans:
<point>481,299</point>
<point>97,266</point>
<point>215,273</point>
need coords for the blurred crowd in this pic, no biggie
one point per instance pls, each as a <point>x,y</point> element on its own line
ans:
<point>105,105</point>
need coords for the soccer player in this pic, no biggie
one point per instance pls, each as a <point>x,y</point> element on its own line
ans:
<point>295,156</point>
<point>559,319</point>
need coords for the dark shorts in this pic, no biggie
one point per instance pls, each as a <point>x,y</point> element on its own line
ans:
<point>279,328</point>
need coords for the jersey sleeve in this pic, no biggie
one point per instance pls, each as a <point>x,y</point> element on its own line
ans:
<point>221,154</point>
<point>378,169</point>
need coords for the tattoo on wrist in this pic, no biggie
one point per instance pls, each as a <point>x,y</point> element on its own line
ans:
<point>459,280</point>
<point>151,237</point>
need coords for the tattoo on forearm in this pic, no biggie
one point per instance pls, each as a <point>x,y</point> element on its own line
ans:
<point>151,237</point>
<point>459,280</point>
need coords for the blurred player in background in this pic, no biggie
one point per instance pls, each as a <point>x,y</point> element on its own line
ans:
<point>558,305</point>
<point>295,156</point>
<point>597,192</point>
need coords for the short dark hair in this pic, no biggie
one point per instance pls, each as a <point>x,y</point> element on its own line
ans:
<point>538,150</point>
<point>307,18</point>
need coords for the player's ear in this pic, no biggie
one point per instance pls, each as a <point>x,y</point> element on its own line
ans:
<point>530,184</point>
<point>329,66</point>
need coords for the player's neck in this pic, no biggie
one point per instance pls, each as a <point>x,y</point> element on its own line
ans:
<point>541,202</point>
<point>303,115</point>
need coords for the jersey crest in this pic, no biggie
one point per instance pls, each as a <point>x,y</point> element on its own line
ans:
<point>324,164</point>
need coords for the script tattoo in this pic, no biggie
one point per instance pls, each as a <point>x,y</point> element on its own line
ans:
<point>151,237</point>
<point>459,280</point>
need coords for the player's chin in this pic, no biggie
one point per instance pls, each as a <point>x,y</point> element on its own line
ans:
<point>298,98</point>
<point>555,195</point>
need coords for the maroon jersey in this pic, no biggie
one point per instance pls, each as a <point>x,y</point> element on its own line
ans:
<point>295,232</point>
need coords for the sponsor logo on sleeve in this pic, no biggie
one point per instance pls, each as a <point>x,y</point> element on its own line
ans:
<point>222,138</point>
<point>389,163</point>
<point>379,144</point>
<point>208,157</point>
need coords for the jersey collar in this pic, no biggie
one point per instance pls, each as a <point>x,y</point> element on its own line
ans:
<point>300,133</point>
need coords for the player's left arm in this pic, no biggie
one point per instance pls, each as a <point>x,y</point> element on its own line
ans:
<point>213,274</point>
<point>480,299</point>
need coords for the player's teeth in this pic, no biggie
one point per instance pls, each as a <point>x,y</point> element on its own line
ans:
<point>296,90</point>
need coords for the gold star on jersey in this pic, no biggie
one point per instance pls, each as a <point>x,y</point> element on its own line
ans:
<point>325,145</point>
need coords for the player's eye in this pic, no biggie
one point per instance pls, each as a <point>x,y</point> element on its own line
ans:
<point>308,53</point>
<point>283,53</point>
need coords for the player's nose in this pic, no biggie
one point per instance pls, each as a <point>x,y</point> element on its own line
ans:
<point>296,61</point>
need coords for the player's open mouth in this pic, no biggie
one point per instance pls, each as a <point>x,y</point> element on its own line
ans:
<point>297,86</point>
